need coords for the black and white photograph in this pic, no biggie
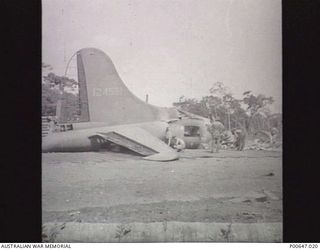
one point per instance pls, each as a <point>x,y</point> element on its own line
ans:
<point>161,121</point>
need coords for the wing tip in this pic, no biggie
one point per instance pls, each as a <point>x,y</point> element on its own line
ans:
<point>164,157</point>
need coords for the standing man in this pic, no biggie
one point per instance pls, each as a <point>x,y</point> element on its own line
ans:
<point>52,125</point>
<point>216,129</point>
<point>168,136</point>
<point>240,139</point>
<point>274,135</point>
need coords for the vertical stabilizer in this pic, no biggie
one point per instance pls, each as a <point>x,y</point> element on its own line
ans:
<point>105,98</point>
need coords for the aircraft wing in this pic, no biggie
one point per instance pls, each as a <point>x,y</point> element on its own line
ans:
<point>141,142</point>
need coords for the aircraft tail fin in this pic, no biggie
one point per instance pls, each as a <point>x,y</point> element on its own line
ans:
<point>105,98</point>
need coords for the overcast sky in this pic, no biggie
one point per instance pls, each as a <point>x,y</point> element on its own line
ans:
<point>169,48</point>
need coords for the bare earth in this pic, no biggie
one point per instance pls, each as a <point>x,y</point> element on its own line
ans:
<point>106,187</point>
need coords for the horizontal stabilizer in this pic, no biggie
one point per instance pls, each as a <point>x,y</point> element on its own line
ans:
<point>141,142</point>
<point>127,143</point>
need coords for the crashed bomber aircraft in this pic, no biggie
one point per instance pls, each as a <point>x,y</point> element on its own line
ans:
<point>113,115</point>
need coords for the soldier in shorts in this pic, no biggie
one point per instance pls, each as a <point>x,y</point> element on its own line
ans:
<point>240,139</point>
<point>216,129</point>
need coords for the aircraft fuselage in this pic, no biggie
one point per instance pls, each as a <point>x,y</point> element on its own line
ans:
<point>80,140</point>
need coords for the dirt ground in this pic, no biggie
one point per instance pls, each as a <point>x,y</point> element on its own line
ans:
<point>106,187</point>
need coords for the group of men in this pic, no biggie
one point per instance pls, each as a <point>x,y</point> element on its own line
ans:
<point>216,130</point>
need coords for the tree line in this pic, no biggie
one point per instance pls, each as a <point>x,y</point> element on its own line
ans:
<point>251,112</point>
<point>53,90</point>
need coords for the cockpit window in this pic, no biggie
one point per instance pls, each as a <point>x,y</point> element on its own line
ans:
<point>191,131</point>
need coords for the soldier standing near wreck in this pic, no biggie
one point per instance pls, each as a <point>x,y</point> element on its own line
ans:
<point>216,129</point>
<point>52,124</point>
<point>168,136</point>
<point>240,139</point>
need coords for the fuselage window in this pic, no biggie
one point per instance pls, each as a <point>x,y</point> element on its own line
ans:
<point>191,131</point>
<point>69,127</point>
<point>65,127</point>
